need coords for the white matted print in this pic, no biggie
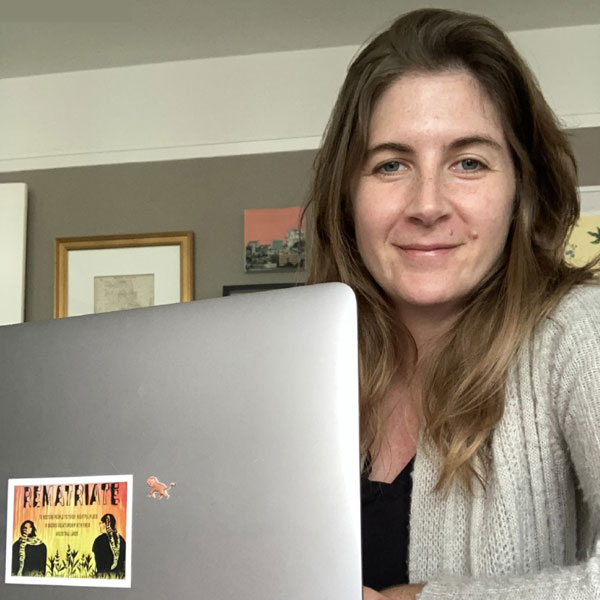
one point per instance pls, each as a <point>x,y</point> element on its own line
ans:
<point>13,227</point>
<point>73,531</point>
<point>121,292</point>
<point>86,265</point>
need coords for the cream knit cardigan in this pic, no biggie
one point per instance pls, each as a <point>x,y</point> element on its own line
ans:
<point>534,534</point>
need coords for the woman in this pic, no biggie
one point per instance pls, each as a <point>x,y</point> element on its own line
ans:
<point>109,549</point>
<point>444,194</point>
<point>29,553</point>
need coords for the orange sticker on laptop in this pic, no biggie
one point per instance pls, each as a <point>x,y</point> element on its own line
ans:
<point>69,531</point>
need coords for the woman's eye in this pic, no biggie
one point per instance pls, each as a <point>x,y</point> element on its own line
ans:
<point>470,164</point>
<point>393,166</point>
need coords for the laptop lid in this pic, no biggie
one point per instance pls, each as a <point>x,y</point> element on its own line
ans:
<point>221,436</point>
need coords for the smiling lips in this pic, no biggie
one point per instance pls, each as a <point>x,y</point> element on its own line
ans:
<point>427,250</point>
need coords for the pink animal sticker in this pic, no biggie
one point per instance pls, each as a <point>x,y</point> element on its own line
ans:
<point>157,489</point>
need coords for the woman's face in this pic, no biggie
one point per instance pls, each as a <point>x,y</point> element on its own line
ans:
<point>434,198</point>
<point>26,529</point>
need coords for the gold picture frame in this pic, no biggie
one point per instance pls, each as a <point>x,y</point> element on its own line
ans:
<point>163,263</point>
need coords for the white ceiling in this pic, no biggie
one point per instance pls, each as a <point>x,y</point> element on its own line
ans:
<point>49,36</point>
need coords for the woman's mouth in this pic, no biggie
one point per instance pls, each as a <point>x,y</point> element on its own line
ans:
<point>427,250</point>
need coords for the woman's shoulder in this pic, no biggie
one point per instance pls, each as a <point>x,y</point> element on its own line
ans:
<point>564,355</point>
<point>579,309</point>
<point>572,326</point>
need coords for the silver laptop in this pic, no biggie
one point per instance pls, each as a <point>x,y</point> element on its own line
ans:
<point>201,450</point>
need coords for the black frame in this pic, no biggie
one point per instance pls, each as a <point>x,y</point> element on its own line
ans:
<point>232,290</point>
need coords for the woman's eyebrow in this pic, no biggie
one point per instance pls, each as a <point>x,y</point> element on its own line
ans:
<point>471,140</point>
<point>456,144</point>
<point>387,146</point>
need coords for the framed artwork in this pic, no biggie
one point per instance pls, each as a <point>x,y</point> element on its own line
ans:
<point>13,237</point>
<point>234,290</point>
<point>105,273</point>
<point>584,243</point>
<point>273,240</point>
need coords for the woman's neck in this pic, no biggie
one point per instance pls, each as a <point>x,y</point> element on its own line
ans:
<point>427,325</point>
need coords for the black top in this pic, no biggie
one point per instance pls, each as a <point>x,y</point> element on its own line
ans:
<point>385,524</point>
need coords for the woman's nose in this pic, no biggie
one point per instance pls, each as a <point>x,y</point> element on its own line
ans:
<point>427,203</point>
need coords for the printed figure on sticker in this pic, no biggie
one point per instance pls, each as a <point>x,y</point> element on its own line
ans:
<point>29,552</point>
<point>109,549</point>
<point>69,531</point>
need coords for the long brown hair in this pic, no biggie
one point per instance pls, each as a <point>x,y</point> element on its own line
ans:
<point>528,281</point>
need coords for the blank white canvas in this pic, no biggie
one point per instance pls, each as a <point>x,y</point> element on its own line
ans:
<point>13,226</point>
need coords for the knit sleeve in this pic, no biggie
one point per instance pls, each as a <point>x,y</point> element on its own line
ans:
<point>574,359</point>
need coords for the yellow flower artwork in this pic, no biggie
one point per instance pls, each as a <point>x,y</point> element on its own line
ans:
<point>584,243</point>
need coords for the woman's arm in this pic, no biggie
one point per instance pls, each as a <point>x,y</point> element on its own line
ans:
<point>569,362</point>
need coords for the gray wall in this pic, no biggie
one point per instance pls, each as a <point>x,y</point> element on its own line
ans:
<point>586,144</point>
<point>207,196</point>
